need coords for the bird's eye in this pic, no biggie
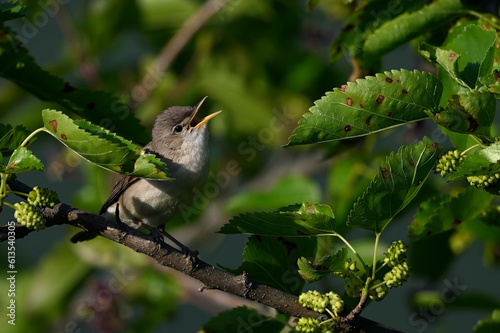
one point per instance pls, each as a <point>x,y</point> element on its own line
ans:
<point>178,129</point>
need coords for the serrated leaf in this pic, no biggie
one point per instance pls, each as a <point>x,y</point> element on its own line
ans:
<point>369,105</point>
<point>22,160</point>
<point>475,50</point>
<point>11,138</point>
<point>483,162</point>
<point>104,109</point>
<point>489,324</point>
<point>445,212</point>
<point>305,219</point>
<point>364,22</point>
<point>272,261</point>
<point>398,181</point>
<point>103,148</point>
<point>243,319</point>
<point>469,112</point>
<point>312,272</point>
<point>404,27</point>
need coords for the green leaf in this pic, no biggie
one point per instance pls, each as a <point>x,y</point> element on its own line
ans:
<point>106,110</point>
<point>398,181</point>
<point>103,148</point>
<point>489,324</point>
<point>291,188</point>
<point>305,219</point>
<point>22,160</point>
<point>474,49</point>
<point>483,162</point>
<point>243,319</point>
<point>370,21</point>
<point>11,138</point>
<point>11,10</point>
<point>369,105</point>
<point>408,25</point>
<point>445,213</point>
<point>334,263</point>
<point>469,112</point>
<point>272,261</point>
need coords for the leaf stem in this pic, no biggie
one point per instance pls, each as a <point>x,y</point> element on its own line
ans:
<point>365,267</point>
<point>9,205</point>
<point>18,193</point>
<point>3,186</point>
<point>375,250</point>
<point>35,132</point>
<point>377,285</point>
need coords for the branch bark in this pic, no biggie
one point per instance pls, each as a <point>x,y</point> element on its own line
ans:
<point>166,255</point>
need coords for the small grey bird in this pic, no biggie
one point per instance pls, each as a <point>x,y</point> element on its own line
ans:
<point>180,140</point>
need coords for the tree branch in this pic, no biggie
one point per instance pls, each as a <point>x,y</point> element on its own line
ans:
<point>166,255</point>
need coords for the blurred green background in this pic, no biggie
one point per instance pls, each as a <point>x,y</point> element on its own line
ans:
<point>263,63</point>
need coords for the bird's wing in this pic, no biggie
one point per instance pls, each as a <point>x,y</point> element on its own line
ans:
<point>120,186</point>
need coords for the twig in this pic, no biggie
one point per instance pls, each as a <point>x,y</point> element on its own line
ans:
<point>180,39</point>
<point>166,255</point>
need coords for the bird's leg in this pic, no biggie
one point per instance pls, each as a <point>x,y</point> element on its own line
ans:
<point>158,238</point>
<point>184,249</point>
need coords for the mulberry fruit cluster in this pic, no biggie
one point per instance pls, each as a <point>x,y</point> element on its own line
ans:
<point>379,292</point>
<point>483,180</point>
<point>395,254</point>
<point>397,275</point>
<point>353,286</point>
<point>42,197</point>
<point>318,302</point>
<point>311,325</point>
<point>29,216</point>
<point>448,162</point>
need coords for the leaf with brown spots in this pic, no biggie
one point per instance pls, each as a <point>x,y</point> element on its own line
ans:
<point>102,147</point>
<point>22,160</point>
<point>399,179</point>
<point>343,113</point>
<point>443,213</point>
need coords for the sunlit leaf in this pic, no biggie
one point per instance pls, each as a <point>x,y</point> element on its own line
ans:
<point>474,50</point>
<point>369,105</point>
<point>22,160</point>
<point>399,179</point>
<point>483,162</point>
<point>305,219</point>
<point>103,148</point>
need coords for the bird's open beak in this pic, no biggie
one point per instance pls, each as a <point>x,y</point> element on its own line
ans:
<point>198,123</point>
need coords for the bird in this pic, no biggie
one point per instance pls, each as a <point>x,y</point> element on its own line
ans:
<point>180,140</point>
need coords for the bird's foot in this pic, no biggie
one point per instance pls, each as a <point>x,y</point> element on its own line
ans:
<point>155,233</point>
<point>184,249</point>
